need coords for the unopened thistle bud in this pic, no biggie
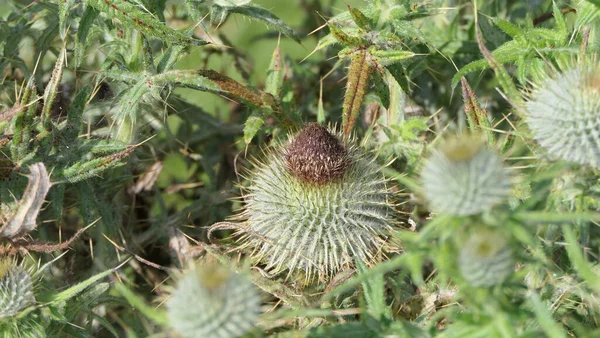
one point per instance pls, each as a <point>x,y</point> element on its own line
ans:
<point>464,178</point>
<point>212,302</point>
<point>485,259</point>
<point>563,114</point>
<point>16,288</point>
<point>315,206</point>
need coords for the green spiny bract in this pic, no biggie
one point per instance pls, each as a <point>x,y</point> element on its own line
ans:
<point>315,206</point>
<point>485,259</point>
<point>213,302</point>
<point>464,178</point>
<point>563,114</point>
<point>16,288</point>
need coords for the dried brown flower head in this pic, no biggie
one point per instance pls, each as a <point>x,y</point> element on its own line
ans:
<point>316,156</point>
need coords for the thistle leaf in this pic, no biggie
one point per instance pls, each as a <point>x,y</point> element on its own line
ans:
<point>274,80</point>
<point>258,13</point>
<point>63,11</point>
<point>252,126</point>
<point>132,16</point>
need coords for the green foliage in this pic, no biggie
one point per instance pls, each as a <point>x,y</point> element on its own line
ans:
<point>155,135</point>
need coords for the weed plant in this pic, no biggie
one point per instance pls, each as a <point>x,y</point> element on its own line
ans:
<point>309,168</point>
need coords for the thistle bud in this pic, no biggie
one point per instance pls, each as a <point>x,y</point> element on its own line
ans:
<point>464,178</point>
<point>563,114</point>
<point>213,302</point>
<point>315,205</point>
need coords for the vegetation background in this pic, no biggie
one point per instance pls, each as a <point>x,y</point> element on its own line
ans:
<point>129,130</point>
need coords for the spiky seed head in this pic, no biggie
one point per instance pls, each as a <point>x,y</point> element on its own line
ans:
<point>316,156</point>
<point>563,114</point>
<point>16,288</point>
<point>464,177</point>
<point>485,259</point>
<point>314,206</point>
<point>212,302</point>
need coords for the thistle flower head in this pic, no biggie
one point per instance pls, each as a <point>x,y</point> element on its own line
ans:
<point>563,114</point>
<point>16,288</point>
<point>315,205</point>
<point>212,302</point>
<point>464,177</point>
<point>485,259</point>
<point>316,156</point>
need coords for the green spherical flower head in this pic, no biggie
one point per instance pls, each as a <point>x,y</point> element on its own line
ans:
<point>16,288</point>
<point>564,115</point>
<point>485,259</point>
<point>464,178</point>
<point>212,302</point>
<point>314,206</point>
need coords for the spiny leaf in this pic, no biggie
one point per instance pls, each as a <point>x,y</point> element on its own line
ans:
<point>359,18</point>
<point>78,288</point>
<point>258,13</point>
<point>75,113</point>
<point>140,305</point>
<point>274,80</point>
<point>84,170</point>
<point>545,320</point>
<point>252,126</point>
<point>346,39</point>
<point>388,57</point>
<point>509,28</point>
<point>85,24</point>
<point>63,11</point>
<point>561,24</point>
<point>132,16</point>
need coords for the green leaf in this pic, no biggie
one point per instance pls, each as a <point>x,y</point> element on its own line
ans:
<point>348,40</point>
<point>561,24</point>
<point>258,13</point>
<point>275,73</point>
<point>577,259</point>
<point>388,57</point>
<point>374,293</point>
<point>359,18</point>
<point>85,24</point>
<point>78,288</point>
<point>140,305</point>
<point>548,324</point>
<point>252,126</point>
<point>63,11</point>
<point>135,17</point>
<point>75,113</point>
<point>594,2</point>
<point>509,28</point>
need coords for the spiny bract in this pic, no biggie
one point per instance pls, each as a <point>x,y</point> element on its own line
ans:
<point>464,178</point>
<point>564,115</point>
<point>485,259</point>
<point>315,206</point>
<point>212,302</point>
<point>16,288</point>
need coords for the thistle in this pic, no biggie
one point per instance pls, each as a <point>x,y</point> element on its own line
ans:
<point>563,114</point>
<point>315,205</point>
<point>464,178</point>
<point>212,302</point>
<point>16,288</point>
<point>485,259</point>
